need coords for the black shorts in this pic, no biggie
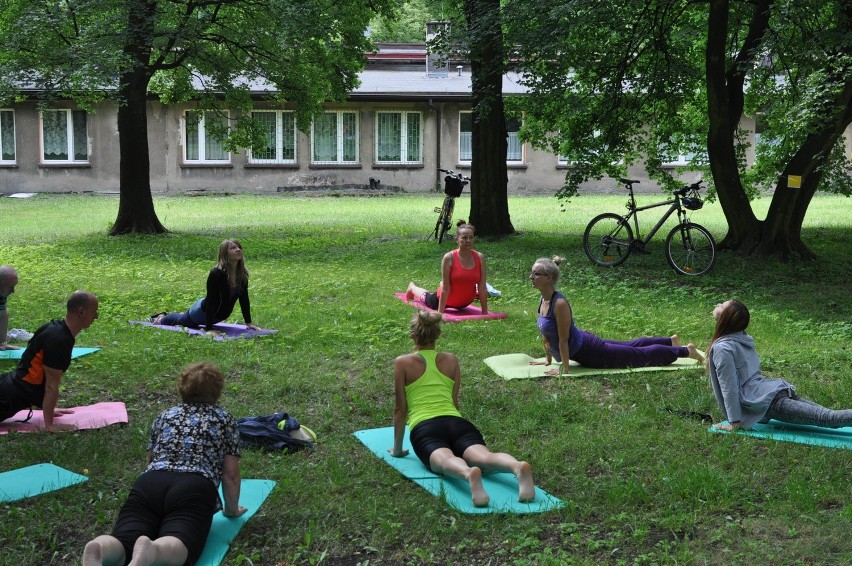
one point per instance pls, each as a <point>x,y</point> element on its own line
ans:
<point>454,433</point>
<point>162,503</point>
<point>431,300</point>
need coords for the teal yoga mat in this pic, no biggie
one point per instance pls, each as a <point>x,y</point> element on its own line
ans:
<point>801,434</point>
<point>502,488</point>
<point>252,495</point>
<point>35,480</point>
<point>16,354</point>
<point>517,366</point>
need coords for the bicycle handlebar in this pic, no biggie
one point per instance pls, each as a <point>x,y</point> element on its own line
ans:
<point>452,173</point>
<point>689,188</point>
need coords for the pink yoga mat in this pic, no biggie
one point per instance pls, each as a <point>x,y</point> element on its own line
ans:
<point>454,315</point>
<point>229,331</point>
<point>90,416</point>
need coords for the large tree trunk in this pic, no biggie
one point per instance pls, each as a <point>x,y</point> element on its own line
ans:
<point>136,213</point>
<point>489,200</point>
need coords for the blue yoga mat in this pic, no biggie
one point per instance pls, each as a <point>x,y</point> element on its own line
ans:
<point>35,480</point>
<point>801,434</point>
<point>252,495</point>
<point>16,354</point>
<point>502,488</point>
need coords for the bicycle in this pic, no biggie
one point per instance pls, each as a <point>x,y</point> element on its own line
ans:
<point>690,248</point>
<point>453,186</point>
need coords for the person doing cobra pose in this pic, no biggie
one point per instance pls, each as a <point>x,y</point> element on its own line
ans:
<point>462,277</point>
<point>227,283</point>
<point>743,394</point>
<point>563,341</point>
<point>426,390</point>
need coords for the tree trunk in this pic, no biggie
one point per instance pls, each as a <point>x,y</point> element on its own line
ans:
<point>489,200</point>
<point>136,213</point>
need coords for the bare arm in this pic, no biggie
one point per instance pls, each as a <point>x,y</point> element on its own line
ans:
<point>563,327</point>
<point>482,287</point>
<point>400,410</point>
<point>446,284</point>
<point>231,487</point>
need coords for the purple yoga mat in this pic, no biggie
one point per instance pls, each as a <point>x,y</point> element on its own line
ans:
<point>229,331</point>
<point>454,315</point>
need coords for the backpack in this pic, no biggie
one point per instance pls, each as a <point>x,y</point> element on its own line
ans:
<point>275,432</point>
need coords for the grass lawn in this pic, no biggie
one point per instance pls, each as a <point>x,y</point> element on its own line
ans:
<point>642,484</point>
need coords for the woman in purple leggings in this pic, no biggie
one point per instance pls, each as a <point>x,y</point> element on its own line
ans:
<point>743,394</point>
<point>563,341</point>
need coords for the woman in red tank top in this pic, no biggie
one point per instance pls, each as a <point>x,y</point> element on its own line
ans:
<point>462,276</point>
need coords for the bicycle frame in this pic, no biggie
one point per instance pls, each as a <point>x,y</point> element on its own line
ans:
<point>634,210</point>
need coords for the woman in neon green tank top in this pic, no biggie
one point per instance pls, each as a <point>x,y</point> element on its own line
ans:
<point>426,386</point>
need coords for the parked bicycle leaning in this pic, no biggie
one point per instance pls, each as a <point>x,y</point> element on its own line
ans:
<point>690,248</point>
<point>454,184</point>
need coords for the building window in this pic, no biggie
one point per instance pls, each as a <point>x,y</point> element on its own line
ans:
<point>205,137</point>
<point>514,149</point>
<point>7,136</point>
<point>64,138</point>
<point>334,138</point>
<point>398,137</point>
<point>465,136</point>
<point>279,129</point>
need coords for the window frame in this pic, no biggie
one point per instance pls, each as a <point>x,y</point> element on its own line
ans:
<point>516,133</point>
<point>202,138</point>
<point>280,132</point>
<point>403,141</point>
<point>70,138</point>
<point>14,151</point>
<point>340,139</point>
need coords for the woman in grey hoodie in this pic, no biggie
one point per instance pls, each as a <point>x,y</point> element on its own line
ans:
<point>744,395</point>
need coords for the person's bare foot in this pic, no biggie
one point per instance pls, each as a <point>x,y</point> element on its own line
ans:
<point>92,555</point>
<point>693,353</point>
<point>409,293</point>
<point>675,340</point>
<point>526,486</point>
<point>477,490</point>
<point>144,552</point>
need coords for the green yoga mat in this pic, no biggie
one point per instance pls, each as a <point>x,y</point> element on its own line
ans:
<point>16,354</point>
<point>517,366</point>
<point>35,480</point>
<point>252,495</point>
<point>502,488</point>
<point>801,434</point>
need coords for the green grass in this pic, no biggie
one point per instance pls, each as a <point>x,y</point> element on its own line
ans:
<point>642,485</point>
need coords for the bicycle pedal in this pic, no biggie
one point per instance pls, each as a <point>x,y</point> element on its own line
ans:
<point>437,209</point>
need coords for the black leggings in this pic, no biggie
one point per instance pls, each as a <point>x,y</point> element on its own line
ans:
<point>162,503</point>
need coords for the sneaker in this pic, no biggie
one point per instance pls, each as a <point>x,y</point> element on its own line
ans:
<point>492,292</point>
<point>19,334</point>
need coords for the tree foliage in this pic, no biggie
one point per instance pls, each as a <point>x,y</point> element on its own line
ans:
<point>614,83</point>
<point>215,51</point>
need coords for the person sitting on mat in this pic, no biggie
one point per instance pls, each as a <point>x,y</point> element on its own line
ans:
<point>193,447</point>
<point>35,382</point>
<point>462,276</point>
<point>8,280</point>
<point>743,394</point>
<point>563,341</point>
<point>426,389</point>
<point>226,284</point>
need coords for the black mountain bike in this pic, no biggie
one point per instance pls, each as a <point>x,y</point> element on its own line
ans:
<point>690,248</point>
<point>453,186</point>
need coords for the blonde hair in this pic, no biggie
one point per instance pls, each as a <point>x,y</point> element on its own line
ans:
<point>425,327</point>
<point>551,266</point>
<point>239,273</point>
<point>201,382</point>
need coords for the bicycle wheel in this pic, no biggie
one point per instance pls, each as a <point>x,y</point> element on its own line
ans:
<point>607,240</point>
<point>445,218</point>
<point>690,249</point>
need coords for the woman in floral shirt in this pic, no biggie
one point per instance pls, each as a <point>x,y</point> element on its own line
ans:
<point>193,448</point>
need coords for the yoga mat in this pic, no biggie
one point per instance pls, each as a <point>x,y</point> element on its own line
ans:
<point>35,480</point>
<point>801,434</point>
<point>229,331</point>
<point>89,416</point>
<point>502,488</point>
<point>252,495</point>
<point>16,354</point>
<point>454,315</point>
<point>517,366</point>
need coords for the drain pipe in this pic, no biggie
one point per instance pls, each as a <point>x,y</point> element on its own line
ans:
<point>437,143</point>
